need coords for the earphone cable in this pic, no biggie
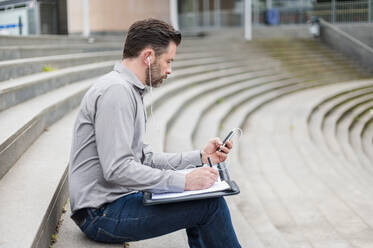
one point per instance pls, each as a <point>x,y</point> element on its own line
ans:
<point>151,90</point>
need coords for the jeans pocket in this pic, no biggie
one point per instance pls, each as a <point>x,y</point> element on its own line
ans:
<point>107,237</point>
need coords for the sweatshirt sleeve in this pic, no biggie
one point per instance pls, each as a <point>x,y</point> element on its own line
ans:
<point>171,161</point>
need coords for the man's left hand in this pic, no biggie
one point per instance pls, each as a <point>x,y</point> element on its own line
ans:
<point>211,148</point>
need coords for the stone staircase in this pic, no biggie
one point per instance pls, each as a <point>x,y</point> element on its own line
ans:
<point>302,164</point>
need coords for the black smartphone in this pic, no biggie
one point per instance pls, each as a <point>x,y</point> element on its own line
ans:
<point>229,136</point>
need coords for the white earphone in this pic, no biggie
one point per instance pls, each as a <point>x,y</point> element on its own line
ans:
<point>148,60</point>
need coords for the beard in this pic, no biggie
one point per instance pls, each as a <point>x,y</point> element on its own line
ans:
<point>157,78</point>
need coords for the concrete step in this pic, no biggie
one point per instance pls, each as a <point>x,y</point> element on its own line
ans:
<point>319,111</point>
<point>13,92</point>
<point>32,51</point>
<point>324,199</point>
<point>264,126</point>
<point>341,181</point>
<point>363,101</point>
<point>255,103</point>
<point>69,235</point>
<point>281,48</point>
<point>334,105</point>
<point>325,108</point>
<point>182,73</point>
<point>22,67</point>
<point>329,121</point>
<point>268,121</point>
<point>305,223</point>
<point>19,51</point>
<point>342,131</point>
<point>350,156</point>
<point>352,166</point>
<point>367,136</point>
<point>165,114</point>
<point>6,40</point>
<point>309,56</point>
<point>355,134</point>
<point>160,95</point>
<point>253,106</point>
<point>22,124</point>
<point>245,90</point>
<point>247,202</point>
<point>34,191</point>
<point>177,141</point>
<point>188,118</point>
<point>262,176</point>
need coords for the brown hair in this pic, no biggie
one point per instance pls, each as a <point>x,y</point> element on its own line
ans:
<point>152,33</point>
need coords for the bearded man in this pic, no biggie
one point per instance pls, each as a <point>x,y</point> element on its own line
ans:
<point>110,165</point>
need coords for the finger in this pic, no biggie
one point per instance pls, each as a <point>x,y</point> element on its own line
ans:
<point>222,156</point>
<point>224,149</point>
<point>212,181</point>
<point>229,144</point>
<point>216,141</point>
<point>208,183</point>
<point>215,177</point>
<point>213,171</point>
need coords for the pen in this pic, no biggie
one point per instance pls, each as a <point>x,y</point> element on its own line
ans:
<point>210,163</point>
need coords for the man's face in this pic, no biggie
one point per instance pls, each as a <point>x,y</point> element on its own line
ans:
<point>161,67</point>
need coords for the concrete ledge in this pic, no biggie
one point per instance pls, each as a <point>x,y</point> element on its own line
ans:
<point>53,213</point>
<point>361,31</point>
<point>239,67</point>
<point>281,31</point>
<point>27,121</point>
<point>338,107</point>
<point>345,43</point>
<point>20,52</point>
<point>22,67</point>
<point>41,39</point>
<point>34,191</point>
<point>13,92</point>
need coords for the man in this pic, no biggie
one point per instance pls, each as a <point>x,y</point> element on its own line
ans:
<point>110,165</point>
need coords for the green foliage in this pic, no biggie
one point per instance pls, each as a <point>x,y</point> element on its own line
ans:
<point>48,68</point>
<point>220,100</point>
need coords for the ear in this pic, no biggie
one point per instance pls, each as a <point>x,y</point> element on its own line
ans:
<point>147,53</point>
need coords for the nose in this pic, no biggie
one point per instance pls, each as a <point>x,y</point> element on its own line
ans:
<point>169,70</point>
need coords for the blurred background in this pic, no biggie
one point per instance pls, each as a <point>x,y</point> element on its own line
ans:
<point>24,17</point>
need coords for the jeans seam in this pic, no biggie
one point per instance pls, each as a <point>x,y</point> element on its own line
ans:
<point>137,218</point>
<point>91,223</point>
<point>112,235</point>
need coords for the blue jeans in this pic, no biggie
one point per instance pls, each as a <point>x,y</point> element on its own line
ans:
<point>207,222</point>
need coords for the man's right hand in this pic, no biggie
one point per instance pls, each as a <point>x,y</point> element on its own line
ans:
<point>201,178</point>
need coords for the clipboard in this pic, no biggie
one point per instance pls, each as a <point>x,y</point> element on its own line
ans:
<point>224,176</point>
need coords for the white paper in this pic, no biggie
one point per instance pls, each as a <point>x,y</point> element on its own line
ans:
<point>217,186</point>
